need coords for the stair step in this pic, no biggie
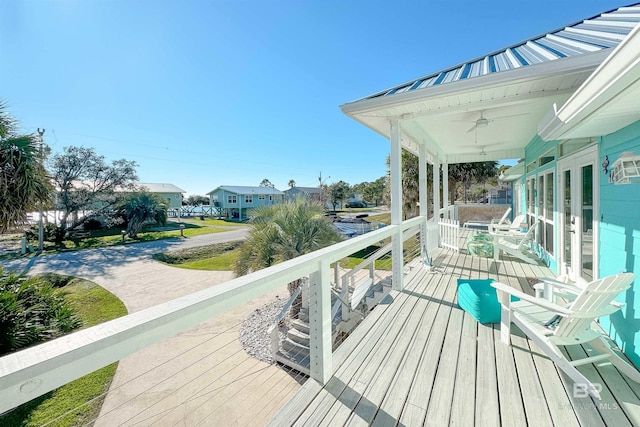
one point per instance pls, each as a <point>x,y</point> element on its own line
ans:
<point>300,326</point>
<point>304,315</point>
<point>298,337</point>
<point>294,347</point>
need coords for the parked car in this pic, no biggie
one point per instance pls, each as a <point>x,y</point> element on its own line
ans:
<point>355,204</point>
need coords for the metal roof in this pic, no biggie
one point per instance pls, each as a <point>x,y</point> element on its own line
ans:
<point>308,190</point>
<point>153,187</point>
<point>600,32</point>
<point>238,189</point>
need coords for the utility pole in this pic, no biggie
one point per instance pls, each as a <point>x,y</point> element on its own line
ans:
<point>40,221</point>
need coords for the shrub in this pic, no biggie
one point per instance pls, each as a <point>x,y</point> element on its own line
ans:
<point>92,224</point>
<point>31,311</point>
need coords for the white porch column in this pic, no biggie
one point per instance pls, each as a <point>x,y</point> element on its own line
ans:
<point>320,344</point>
<point>396,206</point>
<point>436,189</point>
<point>445,185</point>
<point>422,181</point>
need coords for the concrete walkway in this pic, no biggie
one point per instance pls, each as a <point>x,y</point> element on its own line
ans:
<point>200,377</point>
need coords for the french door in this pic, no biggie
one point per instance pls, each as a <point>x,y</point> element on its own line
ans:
<point>579,214</point>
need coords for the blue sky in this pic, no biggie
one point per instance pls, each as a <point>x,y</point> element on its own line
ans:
<point>228,92</point>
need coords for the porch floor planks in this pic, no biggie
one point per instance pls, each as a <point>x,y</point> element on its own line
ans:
<point>395,398</point>
<point>559,403</point>
<point>364,406</point>
<point>484,373</point>
<point>465,380</point>
<point>337,389</point>
<point>419,395</point>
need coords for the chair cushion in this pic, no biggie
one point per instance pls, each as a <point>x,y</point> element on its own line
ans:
<point>479,299</point>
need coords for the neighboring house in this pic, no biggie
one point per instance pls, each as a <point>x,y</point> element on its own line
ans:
<point>308,193</point>
<point>169,192</point>
<point>234,202</point>
<point>568,104</point>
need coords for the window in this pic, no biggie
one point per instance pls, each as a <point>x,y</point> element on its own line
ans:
<point>232,199</point>
<point>572,145</point>
<point>261,197</point>
<point>545,212</point>
<point>547,157</point>
<point>531,200</point>
<point>248,198</point>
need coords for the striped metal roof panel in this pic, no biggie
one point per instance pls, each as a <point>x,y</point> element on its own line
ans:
<point>602,31</point>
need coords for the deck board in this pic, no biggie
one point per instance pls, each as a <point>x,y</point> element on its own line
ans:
<point>421,360</point>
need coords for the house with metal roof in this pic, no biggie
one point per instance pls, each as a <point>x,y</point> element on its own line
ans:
<point>567,104</point>
<point>169,192</point>
<point>309,193</point>
<point>235,201</point>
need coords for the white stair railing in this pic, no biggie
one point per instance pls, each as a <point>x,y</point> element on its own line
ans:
<point>273,329</point>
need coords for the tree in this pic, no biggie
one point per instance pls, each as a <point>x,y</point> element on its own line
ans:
<point>410,183</point>
<point>338,192</point>
<point>373,192</point>
<point>86,182</point>
<point>141,209</point>
<point>283,232</point>
<point>266,183</point>
<point>194,200</point>
<point>292,183</point>
<point>24,185</point>
<point>465,173</point>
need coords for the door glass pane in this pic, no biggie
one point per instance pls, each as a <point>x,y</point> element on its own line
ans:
<point>567,217</point>
<point>549,197</point>
<point>587,222</point>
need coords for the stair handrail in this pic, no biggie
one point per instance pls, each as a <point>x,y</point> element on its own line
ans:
<point>273,329</point>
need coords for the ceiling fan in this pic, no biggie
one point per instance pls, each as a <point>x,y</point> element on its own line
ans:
<point>482,121</point>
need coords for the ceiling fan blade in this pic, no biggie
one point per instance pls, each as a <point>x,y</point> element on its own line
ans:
<point>509,116</point>
<point>473,128</point>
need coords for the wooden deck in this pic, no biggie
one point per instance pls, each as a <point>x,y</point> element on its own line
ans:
<point>418,359</point>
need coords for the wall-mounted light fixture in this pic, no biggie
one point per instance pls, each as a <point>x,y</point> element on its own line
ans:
<point>625,169</point>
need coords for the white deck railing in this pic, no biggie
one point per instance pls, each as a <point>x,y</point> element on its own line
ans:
<point>30,373</point>
<point>449,233</point>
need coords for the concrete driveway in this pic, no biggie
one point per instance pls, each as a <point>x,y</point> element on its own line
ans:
<point>199,377</point>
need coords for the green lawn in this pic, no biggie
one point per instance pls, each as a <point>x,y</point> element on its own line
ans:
<point>94,305</point>
<point>105,238</point>
<point>221,257</point>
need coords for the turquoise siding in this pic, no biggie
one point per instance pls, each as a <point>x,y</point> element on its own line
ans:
<point>620,240</point>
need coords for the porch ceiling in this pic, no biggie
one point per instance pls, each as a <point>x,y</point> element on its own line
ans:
<point>443,117</point>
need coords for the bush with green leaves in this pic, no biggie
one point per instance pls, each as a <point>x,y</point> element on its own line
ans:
<point>31,311</point>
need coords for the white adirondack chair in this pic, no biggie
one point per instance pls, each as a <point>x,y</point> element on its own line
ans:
<point>515,244</point>
<point>505,227</point>
<point>550,325</point>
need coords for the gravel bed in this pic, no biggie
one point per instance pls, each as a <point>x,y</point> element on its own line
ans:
<point>254,332</point>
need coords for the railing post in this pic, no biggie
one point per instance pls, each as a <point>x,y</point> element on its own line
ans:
<point>305,293</point>
<point>320,323</point>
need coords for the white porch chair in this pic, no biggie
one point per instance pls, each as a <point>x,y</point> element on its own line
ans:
<point>513,227</point>
<point>551,325</point>
<point>515,244</point>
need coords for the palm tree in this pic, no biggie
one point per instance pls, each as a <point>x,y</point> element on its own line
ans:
<point>24,185</point>
<point>283,232</point>
<point>292,183</point>
<point>142,209</point>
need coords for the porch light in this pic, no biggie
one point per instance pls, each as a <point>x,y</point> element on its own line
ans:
<point>625,168</point>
